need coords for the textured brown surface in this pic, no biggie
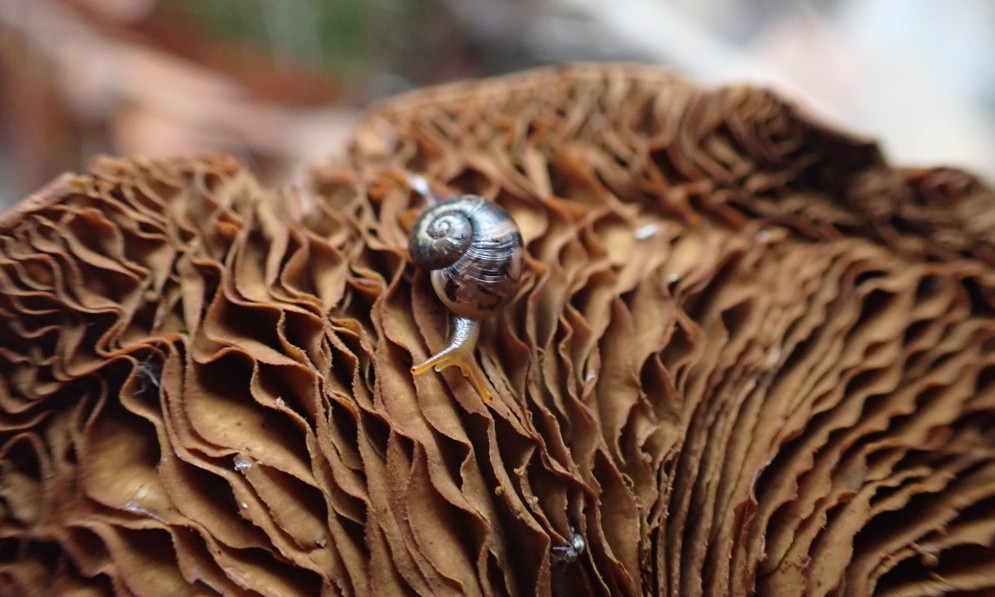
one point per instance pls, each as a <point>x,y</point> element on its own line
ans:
<point>749,357</point>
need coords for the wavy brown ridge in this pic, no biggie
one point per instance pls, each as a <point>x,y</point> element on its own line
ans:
<point>750,357</point>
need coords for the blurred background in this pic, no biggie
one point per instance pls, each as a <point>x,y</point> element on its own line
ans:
<point>280,82</point>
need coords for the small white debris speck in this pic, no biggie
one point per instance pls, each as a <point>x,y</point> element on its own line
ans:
<point>420,185</point>
<point>774,355</point>
<point>647,231</point>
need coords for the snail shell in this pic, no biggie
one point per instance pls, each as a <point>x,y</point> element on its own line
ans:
<point>474,250</point>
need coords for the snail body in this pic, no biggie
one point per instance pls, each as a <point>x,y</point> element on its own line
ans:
<point>474,252</point>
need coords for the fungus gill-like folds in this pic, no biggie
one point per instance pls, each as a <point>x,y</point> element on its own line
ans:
<point>749,357</point>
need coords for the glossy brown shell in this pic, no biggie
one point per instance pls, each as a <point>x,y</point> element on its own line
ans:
<point>487,272</point>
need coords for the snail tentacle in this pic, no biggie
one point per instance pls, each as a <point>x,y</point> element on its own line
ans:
<point>459,353</point>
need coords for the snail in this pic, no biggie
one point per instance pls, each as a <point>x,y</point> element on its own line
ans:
<point>474,252</point>
<point>568,553</point>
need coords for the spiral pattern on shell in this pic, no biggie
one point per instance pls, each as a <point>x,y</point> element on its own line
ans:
<point>476,266</point>
<point>440,237</point>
